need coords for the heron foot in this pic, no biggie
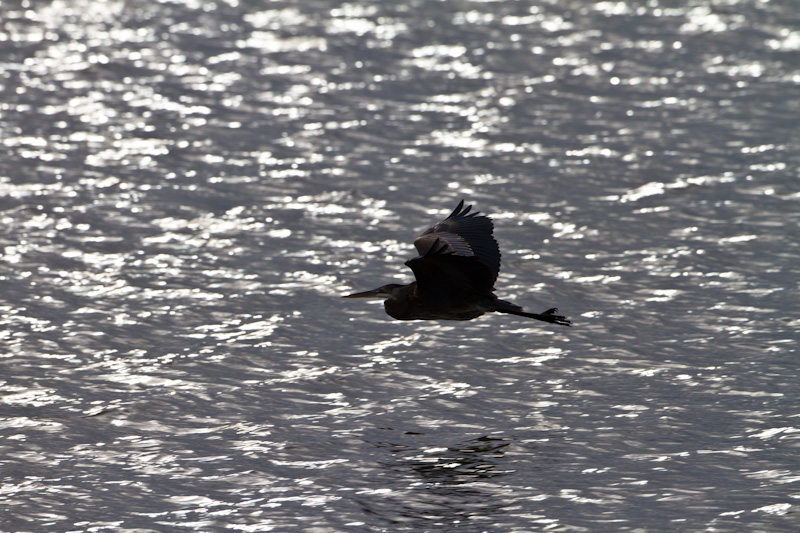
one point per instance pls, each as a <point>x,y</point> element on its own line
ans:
<point>551,316</point>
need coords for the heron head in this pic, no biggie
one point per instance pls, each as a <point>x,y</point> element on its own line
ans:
<point>386,291</point>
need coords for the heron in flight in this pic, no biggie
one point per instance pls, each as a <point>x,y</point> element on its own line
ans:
<point>456,269</point>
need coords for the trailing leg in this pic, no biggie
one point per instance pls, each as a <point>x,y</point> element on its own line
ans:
<point>548,316</point>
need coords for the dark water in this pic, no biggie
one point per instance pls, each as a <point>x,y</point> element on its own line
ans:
<point>187,187</point>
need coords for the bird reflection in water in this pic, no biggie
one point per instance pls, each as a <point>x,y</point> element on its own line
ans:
<point>458,263</point>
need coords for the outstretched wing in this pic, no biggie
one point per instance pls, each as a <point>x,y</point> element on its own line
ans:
<point>447,275</point>
<point>458,253</point>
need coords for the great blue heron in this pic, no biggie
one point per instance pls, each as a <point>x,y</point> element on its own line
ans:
<point>456,269</point>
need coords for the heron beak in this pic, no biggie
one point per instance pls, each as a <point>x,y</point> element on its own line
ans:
<point>365,294</point>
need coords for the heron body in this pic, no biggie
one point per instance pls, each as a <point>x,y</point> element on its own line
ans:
<point>408,303</point>
<point>456,269</point>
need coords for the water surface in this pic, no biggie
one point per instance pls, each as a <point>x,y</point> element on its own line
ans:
<point>187,187</point>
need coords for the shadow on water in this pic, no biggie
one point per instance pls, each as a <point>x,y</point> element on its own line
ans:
<point>443,486</point>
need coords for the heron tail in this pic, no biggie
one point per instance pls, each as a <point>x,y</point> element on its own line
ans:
<point>550,315</point>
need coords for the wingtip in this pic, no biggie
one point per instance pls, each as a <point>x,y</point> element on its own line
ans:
<point>457,211</point>
<point>461,211</point>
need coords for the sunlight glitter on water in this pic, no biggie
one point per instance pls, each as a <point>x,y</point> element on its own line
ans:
<point>188,187</point>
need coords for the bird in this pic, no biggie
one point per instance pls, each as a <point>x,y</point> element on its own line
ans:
<point>457,266</point>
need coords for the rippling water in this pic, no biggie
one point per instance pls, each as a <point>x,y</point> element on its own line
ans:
<point>187,187</point>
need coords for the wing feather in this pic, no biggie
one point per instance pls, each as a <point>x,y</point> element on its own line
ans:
<point>462,235</point>
<point>447,274</point>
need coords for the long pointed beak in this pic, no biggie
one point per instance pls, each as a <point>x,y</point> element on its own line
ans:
<point>365,294</point>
